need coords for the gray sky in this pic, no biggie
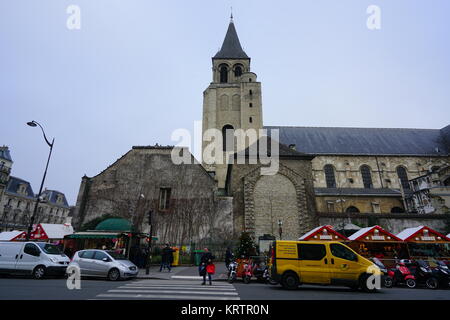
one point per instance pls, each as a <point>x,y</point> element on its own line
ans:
<point>136,70</point>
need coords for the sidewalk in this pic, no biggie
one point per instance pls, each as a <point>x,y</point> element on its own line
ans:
<point>183,273</point>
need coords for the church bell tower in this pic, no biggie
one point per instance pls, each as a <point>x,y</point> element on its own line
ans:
<point>232,100</point>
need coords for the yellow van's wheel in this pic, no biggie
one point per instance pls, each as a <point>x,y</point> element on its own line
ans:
<point>364,284</point>
<point>290,281</point>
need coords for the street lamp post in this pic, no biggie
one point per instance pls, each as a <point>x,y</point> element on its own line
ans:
<point>30,226</point>
<point>280,229</point>
<point>149,249</point>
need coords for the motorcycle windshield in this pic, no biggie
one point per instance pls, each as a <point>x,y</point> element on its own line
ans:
<point>422,264</point>
<point>378,263</point>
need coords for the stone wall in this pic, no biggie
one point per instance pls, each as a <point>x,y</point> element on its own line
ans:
<point>192,213</point>
<point>289,193</point>
<point>383,169</point>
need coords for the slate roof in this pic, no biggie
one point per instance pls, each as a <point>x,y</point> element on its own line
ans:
<point>231,47</point>
<point>52,195</point>
<point>284,151</point>
<point>5,154</point>
<point>366,141</point>
<point>13,187</point>
<point>357,192</point>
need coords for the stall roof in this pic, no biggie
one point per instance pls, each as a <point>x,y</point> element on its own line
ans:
<point>11,235</point>
<point>324,233</point>
<point>94,235</point>
<point>409,234</point>
<point>51,231</point>
<point>378,234</point>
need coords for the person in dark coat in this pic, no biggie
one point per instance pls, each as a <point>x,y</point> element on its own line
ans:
<point>206,259</point>
<point>166,258</point>
<point>228,257</point>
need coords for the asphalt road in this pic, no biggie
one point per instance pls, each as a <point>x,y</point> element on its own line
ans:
<point>17,288</point>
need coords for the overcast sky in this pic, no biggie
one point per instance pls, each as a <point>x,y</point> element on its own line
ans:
<point>136,70</point>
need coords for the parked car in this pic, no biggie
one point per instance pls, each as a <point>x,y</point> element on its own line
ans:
<point>102,263</point>
<point>37,259</point>
<point>319,262</point>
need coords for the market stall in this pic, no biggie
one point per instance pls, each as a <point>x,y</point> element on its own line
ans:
<point>111,234</point>
<point>323,233</point>
<point>13,235</point>
<point>50,232</point>
<point>425,243</point>
<point>377,242</point>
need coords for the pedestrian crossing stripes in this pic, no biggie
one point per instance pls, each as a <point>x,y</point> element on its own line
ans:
<point>171,289</point>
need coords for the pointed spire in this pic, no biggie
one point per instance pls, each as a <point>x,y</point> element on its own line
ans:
<point>231,47</point>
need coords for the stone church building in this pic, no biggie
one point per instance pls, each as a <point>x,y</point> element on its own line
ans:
<point>323,176</point>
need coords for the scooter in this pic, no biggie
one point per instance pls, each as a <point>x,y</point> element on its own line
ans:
<point>423,274</point>
<point>247,273</point>
<point>442,273</point>
<point>232,267</point>
<point>400,275</point>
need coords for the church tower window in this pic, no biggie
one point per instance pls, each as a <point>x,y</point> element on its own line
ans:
<point>238,71</point>
<point>228,137</point>
<point>250,120</point>
<point>223,74</point>
<point>329,176</point>
<point>366,176</point>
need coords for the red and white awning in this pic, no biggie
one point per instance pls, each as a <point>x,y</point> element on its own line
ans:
<point>422,234</point>
<point>374,233</point>
<point>323,233</point>
<point>12,235</point>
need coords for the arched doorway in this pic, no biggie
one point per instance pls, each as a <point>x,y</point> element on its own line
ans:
<point>275,199</point>
<point>352,209</point>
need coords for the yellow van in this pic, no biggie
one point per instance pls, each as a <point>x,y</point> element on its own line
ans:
<point>320,262</point>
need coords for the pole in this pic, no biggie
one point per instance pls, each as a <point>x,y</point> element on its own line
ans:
<point>33,217</point>
<point>149,249</point>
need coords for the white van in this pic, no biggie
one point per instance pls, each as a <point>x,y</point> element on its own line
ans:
<point>32,258</point>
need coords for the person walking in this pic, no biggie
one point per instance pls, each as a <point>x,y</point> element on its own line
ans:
<point>228,257</point>
<point>207,265</point>
<point>166,258</point>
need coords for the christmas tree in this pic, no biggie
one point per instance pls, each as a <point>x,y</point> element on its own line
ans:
<point>247,246</point>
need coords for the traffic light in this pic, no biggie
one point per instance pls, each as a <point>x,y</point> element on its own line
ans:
<point>150,217</point>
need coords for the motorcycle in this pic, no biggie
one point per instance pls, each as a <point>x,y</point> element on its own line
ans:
<point>423,274</point>
<point>400,275</point>
<point>232,267</point>
<point>247,273</point>
<point>442,273</point>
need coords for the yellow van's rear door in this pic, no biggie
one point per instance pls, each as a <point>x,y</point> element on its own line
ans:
<point>344,264</point>
<point>313,263</point>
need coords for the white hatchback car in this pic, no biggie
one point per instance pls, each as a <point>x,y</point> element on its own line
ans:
<point>102,263</point>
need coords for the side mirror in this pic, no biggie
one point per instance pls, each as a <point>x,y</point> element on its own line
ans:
<point>105,259</point>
